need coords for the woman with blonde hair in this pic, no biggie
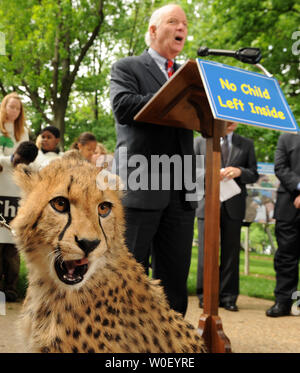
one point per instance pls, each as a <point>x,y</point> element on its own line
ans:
<point>13,130</point>
<point>101,158</point>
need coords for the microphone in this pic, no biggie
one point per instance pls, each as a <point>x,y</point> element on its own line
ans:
<point>246,55</point>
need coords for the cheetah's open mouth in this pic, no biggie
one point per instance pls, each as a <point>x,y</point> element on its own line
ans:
<point>71,272</point>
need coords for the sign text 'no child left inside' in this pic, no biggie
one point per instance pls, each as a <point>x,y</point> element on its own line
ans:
<point>246,97</point>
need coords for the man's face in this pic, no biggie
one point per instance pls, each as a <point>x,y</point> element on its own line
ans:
<point>230,127</point>
<point>169,37</point>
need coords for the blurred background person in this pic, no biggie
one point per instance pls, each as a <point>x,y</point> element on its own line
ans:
<point>101,158</point>
<point>86,145</point>
<point>25,153</point>
<point>13,129</point>
<point>239,163</point>
<point>49,150</point>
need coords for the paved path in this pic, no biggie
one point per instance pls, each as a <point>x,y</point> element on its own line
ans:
<point>9,341</point>
<point>248,330</point>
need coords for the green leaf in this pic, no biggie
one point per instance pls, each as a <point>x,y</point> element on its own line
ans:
<point>6,142</point>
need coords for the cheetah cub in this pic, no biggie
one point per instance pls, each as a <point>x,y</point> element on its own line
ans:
<point>86,292</point>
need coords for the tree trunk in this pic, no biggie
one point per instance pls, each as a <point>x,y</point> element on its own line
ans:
<point>59,119</point>
<point>96,109</point>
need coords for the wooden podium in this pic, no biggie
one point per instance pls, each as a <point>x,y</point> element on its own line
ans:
<point>182,102</point>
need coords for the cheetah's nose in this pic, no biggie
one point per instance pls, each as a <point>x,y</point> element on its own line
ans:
<point>87,245</point>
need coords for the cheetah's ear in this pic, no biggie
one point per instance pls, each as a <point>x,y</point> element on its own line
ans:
<point>26,177</point>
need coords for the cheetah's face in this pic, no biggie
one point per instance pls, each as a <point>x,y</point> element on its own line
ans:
<point>72,272</point>
<point>67,223</point>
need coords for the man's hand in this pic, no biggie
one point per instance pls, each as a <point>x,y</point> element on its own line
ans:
<point>297,202</point>
<point>230,173</point>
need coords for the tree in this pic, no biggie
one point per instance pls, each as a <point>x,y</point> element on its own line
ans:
<point>45,52</point>
<point>122,36</point>
<point>59,53</point>
<point>266,24</point>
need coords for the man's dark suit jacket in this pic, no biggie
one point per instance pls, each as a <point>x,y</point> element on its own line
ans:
<point>287,169</point>
<point>134,81</point>
<point>241,155</point>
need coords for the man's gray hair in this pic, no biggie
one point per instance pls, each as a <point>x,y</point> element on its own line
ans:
<point>155,20</point>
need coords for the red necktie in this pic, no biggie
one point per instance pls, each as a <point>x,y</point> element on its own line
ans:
<point>170,67</point>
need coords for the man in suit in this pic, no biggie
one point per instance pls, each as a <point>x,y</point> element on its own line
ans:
<point>287,227</point>
<point>159,220</point>
<point>240,165</point>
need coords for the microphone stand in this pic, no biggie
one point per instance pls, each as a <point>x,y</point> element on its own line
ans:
<point>264,70</point>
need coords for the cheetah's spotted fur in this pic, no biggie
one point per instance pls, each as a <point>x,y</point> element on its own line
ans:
<point>116,307</point>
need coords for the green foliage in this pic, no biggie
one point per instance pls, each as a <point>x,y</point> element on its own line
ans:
<point>102,128</point>
<point>265,141</point>
<point>47,41</point>
<point>258,237</point>
<point>22,280</point>
<point>6,142</point>
<point>62,78</point>
<point>268,25</point>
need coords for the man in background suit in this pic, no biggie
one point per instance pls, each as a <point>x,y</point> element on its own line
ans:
<point>240,165</point>
<point>158,222</point>
<point>287,227</point>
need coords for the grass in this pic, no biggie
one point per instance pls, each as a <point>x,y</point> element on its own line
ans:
<point>22,283</point>
<point>259,283</point>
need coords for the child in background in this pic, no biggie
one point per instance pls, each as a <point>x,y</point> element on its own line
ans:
<point>101,158</point>
<point>12,124</point>
<point>25,153</point>
<point>49,140</point>
<point>86,145</point>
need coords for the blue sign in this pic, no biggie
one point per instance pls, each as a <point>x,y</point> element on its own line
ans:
<point>243,96</point>
<point>265,168</point>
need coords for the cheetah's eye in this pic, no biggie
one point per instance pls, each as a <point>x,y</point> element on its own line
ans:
<point>60,204</point>
<point>104,209</point>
